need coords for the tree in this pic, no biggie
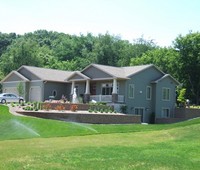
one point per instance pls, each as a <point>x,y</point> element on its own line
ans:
<point>5,41</point>
<point>20,89</point>
<point>181,96</point>
<point>189,67</point>
<point>164,58</point>
<point>141,46</point>
<point>21,52</point>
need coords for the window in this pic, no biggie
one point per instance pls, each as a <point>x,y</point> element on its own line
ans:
<point>166,94</point>
<point>107,89</point>
<point>165,112</point>
<point>131,91</point>
<point>148,92</point>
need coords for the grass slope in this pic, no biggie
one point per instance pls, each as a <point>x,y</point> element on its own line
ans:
<point>165,147</point>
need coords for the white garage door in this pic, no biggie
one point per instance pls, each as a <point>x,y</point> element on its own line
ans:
<point>35,93</point>
<point>10,90</point>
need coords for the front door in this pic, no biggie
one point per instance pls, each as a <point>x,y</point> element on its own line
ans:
<point>140,111</point>
<point>93,88</point>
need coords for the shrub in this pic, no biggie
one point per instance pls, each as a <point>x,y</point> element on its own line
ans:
<point>12,104</point>
<point>123,109</point>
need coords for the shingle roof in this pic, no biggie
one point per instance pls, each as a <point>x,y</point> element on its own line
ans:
<point>46,74</point>
<point>165,76</point>
<point>122,72</point>
<point>77,73</point>
<point>131,70</point>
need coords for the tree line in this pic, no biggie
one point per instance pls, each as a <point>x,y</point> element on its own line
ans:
<point>74,52</point>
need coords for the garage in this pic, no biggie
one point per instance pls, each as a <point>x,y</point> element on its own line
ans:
<point>35,94</point>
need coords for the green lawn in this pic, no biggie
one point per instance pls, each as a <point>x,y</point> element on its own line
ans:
<point>32,143</point>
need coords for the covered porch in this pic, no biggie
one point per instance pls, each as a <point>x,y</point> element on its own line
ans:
<point>99,90</point>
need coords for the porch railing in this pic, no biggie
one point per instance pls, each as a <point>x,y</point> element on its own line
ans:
<point>106,98</point>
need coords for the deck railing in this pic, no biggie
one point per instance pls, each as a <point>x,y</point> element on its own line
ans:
<point>106,98</point>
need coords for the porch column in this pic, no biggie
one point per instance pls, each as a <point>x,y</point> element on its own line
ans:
<point>114,92</point>
<point>87,92</point>
<point>72,90</point>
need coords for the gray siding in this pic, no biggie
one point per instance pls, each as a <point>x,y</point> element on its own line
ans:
<point>160,103</point>
<point>122,87</point>
<point>141,81</point>
<point>28,74</point>
<point>60,88</point>
<point>7,85</point>
<point>13,77</point>
<point>94,73</point>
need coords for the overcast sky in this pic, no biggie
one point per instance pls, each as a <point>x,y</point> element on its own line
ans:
<point>161,20</point>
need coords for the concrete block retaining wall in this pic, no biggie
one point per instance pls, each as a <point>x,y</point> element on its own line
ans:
<point>52,106</point>
<point>180,114</point>
<point>94,118</point>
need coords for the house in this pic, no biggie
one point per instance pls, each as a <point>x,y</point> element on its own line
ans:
<point>144,89</point>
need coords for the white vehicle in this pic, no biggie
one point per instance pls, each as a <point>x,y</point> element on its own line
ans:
<point>10,97</point>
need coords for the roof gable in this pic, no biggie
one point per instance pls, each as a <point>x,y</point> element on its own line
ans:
<point>165,77</point>
<point>131,70</point>
<point>44,74</point>
<point>95,72</point>
<point>14,76</point>
<point>77,76</point>
<point>116,72</point>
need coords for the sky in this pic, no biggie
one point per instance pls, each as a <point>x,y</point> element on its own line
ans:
<point>158,20</point>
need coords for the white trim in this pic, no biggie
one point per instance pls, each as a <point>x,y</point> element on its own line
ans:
<point>114,86</point>
<point>165,108</point>
<point>38,81</point>
<point>9,82</point>
<point>72,87</point>
<point>132,96</point>
<point>150,88</point>
<point>87,88</point>
<point>165,88</point>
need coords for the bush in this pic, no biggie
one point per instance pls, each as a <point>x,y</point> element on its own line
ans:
<point>99,107</point>
<point>123,109</point>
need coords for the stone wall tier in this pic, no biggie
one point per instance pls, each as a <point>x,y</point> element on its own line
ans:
<point>93,118</point>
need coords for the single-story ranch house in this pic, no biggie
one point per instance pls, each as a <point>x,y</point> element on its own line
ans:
<point>143,89</point>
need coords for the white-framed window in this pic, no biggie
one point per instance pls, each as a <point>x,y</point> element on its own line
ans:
<point>165,94</point>
<point>107,88</point>
<point>131,91</point>
<point>165,112</point>
<point>148,92</point>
